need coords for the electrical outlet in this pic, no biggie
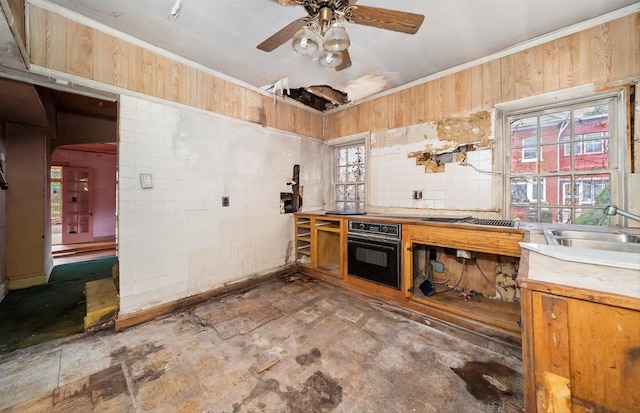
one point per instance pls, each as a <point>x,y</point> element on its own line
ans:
<point>225,201</point>
<point>464,254</point>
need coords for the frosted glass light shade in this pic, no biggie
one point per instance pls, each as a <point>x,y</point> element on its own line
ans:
<point>330,59</point>
<point>336,38</point>
<point>307,43</point>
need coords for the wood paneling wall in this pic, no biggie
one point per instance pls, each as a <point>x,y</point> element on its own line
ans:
<point>603,54</point>
<point>17,10</point>
<point>67,46</point>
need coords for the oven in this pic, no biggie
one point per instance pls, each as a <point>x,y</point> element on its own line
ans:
<point>373,252</point>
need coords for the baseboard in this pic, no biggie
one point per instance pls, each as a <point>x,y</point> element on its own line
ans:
<point>26,282</point>
<point>139,317</point>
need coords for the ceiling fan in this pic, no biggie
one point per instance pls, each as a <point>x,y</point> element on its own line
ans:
<point>321,35</point>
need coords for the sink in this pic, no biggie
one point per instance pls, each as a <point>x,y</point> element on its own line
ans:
<point>596,240</point>
<point>601,245</point>
<point>591,235</point>
<point>613,249</point>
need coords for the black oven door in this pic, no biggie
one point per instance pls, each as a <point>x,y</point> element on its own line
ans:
<point>374,260</point>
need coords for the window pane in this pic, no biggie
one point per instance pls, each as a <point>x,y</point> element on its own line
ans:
<point>524,214</point>
<point>555,125</point>
<point>595,155</point>
<point>341,174</point>
<point>352,157</point>
<point>591,119</point>
<point>352,173</point>
<point>591,216</point>
<point>592,190</point>
<point>350,193</point>
<point>522,191</point>
<point>553,159</point>
<point>340,194</point>
<point>341,157</point>
<point>518,166</point>
<point>360,193</point>
<point>523,128</point>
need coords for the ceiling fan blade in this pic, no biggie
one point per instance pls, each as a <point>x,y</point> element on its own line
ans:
<point>395,20</point>
<point>282,36</point>
<point>288,2</point>
<point>346,61</point>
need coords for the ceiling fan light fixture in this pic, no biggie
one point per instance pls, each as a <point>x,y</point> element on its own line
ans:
<point>330,59</point>
<point>307,43</point>
<point>336,38</point>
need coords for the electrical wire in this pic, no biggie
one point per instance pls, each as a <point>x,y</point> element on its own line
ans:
<point>485,277</point>
<point>433,281</point>
<point>464,260</point>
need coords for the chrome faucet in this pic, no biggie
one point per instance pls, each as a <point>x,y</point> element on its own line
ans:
<point>612,210</point>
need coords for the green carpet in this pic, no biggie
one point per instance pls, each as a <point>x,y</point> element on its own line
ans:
<point>45,312</point>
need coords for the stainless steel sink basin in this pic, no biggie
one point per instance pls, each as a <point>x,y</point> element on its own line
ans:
<point>607,241</point>
<point>594,235</point>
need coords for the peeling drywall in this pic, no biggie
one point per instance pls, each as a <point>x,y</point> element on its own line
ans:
<point>366,86</point>
<point>448,140</point>
<point>475,128</point>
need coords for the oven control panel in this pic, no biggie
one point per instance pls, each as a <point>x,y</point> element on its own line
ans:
<point>381,229</point>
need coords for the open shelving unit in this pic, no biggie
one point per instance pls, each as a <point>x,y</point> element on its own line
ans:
<point>319,244</point>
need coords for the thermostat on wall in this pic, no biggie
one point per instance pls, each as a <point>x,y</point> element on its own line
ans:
<point>146,181</point>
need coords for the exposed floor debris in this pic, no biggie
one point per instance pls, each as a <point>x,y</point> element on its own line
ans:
<point>294,344</point>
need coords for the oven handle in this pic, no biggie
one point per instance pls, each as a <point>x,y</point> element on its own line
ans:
<point>366,241</point>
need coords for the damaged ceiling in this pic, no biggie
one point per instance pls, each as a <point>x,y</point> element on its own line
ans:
<point>223,36</point>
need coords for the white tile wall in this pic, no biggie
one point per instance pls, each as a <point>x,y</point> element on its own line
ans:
<point>393,177</point>
<point>176,239</point>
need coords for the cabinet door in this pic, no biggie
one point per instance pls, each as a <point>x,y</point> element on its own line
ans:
<point>605,357</point>
<point>551,353</point>
<point>77,207</point>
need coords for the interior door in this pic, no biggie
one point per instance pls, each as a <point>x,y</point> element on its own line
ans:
<point>77,208</point>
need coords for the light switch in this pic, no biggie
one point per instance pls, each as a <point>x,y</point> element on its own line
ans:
<point>146,181</point>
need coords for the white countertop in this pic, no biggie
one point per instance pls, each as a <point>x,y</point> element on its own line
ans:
<point>613,280</point>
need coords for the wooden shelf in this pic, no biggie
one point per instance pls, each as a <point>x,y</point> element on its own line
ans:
<point>319,241</point>
<point>497,313</point>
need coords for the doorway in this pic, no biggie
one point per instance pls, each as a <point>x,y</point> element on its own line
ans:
<point>83,201</point>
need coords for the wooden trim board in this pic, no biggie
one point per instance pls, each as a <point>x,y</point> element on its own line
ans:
<point>139,317</point>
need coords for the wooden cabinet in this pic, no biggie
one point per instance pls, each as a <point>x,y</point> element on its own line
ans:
<point>579,355</point>
<point>320,243</point>
<point>493,250</point>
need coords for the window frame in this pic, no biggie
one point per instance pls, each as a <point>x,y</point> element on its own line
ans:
<point>615,144</point>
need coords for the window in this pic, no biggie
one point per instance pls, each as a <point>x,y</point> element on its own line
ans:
<point>349,177</point>
<point>560,164</point>
<point>593,146</point>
